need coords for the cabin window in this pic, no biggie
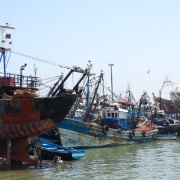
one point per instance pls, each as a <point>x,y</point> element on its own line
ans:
<point>116,115</point>
<point>108,115</point>
<point>123,115</point>
<point>112,115</point>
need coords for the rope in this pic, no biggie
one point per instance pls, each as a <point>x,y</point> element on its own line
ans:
<point>41,60</point>
<point>50,78</point>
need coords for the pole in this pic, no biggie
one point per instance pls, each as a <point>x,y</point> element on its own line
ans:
<point>21,69</point>
<point>21,77</point>
<point>8,151</point>
<point>111,81</point>
<point>4,59</point>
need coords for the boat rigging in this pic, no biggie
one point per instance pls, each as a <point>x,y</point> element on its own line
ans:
<point>46,61</point>
<point>21,107</point>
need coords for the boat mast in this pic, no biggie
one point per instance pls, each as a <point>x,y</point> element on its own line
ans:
<point>166,82</point>
<point>89,66</point>
<point>143,101</point>
<point>3,46</point>
<point>90,105</point>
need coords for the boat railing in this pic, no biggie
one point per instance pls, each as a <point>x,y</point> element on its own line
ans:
<point>17,80</point>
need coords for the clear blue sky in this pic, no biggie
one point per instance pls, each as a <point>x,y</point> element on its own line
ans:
<point>135,35</point>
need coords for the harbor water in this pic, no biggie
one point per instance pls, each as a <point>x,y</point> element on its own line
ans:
<point>158,159</point>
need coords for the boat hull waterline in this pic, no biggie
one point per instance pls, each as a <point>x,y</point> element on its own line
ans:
<point>32,116</point>
<point>50,150</point>
<point>78,134</point>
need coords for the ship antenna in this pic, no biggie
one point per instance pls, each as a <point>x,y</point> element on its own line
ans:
<point>3,46</point>
<point>35,70</point>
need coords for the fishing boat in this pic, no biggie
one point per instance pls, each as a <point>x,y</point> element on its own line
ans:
<point>110,127</point>
<point>50,150</point>
<point>116,117</point>
<point>23,114</point>
<point>166,135</point>
<point>169,108</point>
<point>84,133</point>
<point>79,134</point>
<point>165,131</point>
<point>100,133</point>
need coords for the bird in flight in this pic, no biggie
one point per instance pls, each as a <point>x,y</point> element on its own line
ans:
<point>148,71</point>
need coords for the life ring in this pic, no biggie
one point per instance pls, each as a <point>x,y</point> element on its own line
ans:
<point>105,129</point>
<point>144,133</point>
<point>120,130</point>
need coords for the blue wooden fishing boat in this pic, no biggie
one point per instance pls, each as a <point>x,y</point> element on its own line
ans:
<point>50,150</point>
<point>110,127</point>
<point>79,134</point>
<point>165,131</point>
<point>88,133</point>
<point>164,135</point>
<point>116,117</point>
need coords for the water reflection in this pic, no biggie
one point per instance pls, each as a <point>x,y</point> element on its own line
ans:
<point>152,160</point>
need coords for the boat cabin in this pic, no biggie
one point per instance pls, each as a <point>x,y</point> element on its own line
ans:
<point>113,116</point>
<point>78,114</point>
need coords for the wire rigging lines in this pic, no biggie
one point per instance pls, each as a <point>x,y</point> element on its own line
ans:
<point>41,60</point>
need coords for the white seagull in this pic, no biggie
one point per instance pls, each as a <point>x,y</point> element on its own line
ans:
<point>148,71</point>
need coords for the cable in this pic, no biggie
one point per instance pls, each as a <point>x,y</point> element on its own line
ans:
<point>41,60</point>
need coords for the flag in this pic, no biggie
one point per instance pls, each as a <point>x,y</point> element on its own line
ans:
<point>8,36</point>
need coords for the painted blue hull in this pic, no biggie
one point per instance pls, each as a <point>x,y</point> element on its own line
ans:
<point>50,150</point>
<point>140,136</point>
<point>78,134</point>
<point>166,136</point>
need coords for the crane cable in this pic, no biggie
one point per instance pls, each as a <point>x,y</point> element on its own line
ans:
<point>41,60</point>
